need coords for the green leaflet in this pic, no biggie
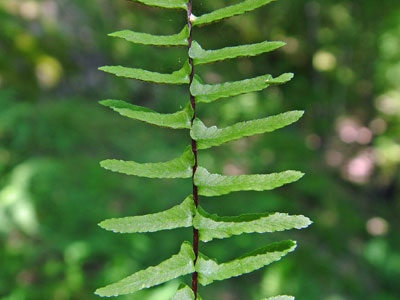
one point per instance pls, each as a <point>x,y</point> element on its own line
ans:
<point>229,11</point>
<point>184,293</point>
<point>178,4</point>
<point>201,56</point>
<point>179,39</point>
<point>213,226</point>
<point>178,120</point>
<point>215,184</point>
<point>178,77</point>
<point>176,217</point>
<point>281,298</point>
<point>209,270</point>
<point>207,93</point>
<point>176,266</point>
<point>207,137</point>
<point>180,167</point>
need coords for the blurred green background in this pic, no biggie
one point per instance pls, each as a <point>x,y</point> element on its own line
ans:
<point>345,54</point>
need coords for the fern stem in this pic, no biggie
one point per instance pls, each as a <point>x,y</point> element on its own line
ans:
<point>194,150</point>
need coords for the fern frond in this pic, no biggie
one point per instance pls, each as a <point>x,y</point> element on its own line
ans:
<point>207,137</point>
<point>176,266</point>
<point>178,77</point>
<point>201,56</point>
<point>179,120</point>
<point>206,227</point>
<point>176,4</point>
<point>179,39</point>
<point>213,226</point>
<point>229,11</point>
<point>176,217</point>
<point>180,167</point>
<point>207,93</point>
<point>214,184</point>
<point>209,269</point>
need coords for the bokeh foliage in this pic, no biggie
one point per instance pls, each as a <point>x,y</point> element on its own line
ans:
<point>53,133</point>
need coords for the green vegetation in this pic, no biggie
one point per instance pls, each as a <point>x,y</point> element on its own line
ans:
<point>53,133</point>
<point>189,260</point>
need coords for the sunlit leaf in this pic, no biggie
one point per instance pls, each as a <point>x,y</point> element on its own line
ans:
<point>176,266</point>
<point>178,77</point>
<point>178,120</point>
<point>180,167</point>
<point>201,56</point>
<point>210,92</point>
<point>207,137</point>
<point>214,184</point>
<point>176,217</point>
<point>179,39</point>
<point>213,226</point>
<point>229,11</point>
<point>209,269</point>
